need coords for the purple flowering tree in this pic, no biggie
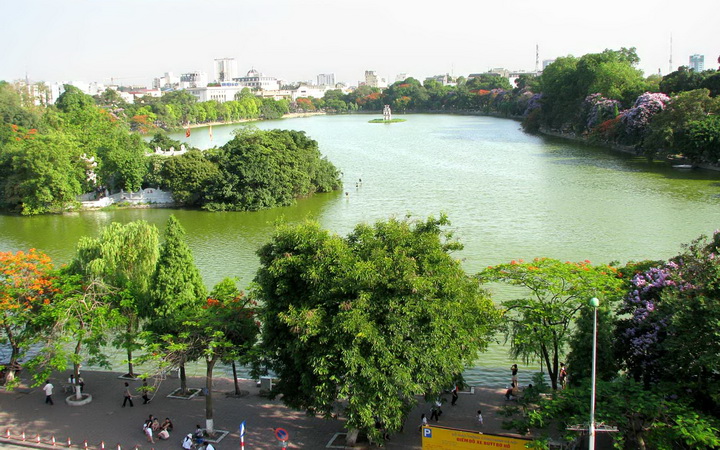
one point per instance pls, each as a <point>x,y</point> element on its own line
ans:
<point>641,334</point>
<point>637,118</point>
<point>533,103</point>
<point>597,109</point>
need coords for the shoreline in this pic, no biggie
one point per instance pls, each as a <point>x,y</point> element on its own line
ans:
<point>235,122</point>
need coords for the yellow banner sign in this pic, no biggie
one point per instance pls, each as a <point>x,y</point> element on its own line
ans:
<point>442,438</point>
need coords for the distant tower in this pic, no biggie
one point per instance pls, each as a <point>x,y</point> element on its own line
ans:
<point>537,58</point>
<point>671,64</point>
<point>387,114</point>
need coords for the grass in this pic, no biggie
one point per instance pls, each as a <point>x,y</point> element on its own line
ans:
<point>386,121</point>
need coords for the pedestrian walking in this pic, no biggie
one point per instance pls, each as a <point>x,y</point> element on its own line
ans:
<point>48,389</point>
<point>454,396</point>
<point>128,396</point>
<point>479,417</point>
<point>423,422</point>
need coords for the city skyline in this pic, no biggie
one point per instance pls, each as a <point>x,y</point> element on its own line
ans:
<point>134,41</point>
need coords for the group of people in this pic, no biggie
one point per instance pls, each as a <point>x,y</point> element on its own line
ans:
<point>196,440</point>
<point>152,426</point>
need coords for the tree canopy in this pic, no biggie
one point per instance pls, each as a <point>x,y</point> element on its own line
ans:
<point>372,318</point>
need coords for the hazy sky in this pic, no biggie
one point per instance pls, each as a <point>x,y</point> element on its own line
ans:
<point>136,40</point>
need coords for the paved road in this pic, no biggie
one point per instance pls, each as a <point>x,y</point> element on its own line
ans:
<point>105,420</point>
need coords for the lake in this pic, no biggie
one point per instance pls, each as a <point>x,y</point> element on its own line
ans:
<point>508,194</point>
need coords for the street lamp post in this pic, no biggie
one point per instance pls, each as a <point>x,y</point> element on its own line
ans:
<point>594,302</point>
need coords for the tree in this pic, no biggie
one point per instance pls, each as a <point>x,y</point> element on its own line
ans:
<point>177,293</point>
<point>27,287</point>
<point>83,315</point>
<point>41,173</point>
<point>669,130</point>
<point>264,169</point>
<point>370,319</point>
<point>539,325</point>
<point>123,258</point>
<point>681,80</point>
<point>227,330</point>
<point>645,419</point>
<point>123,163</point>
<point>188,177</point>
<point>579,360</point>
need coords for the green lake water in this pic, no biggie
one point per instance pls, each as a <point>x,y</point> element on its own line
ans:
<point>509,195</point>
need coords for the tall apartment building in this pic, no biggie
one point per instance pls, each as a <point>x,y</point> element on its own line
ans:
<point>225,69</point>
<point>697,62</point>
<point>372,80</point>
<point>326,79</point>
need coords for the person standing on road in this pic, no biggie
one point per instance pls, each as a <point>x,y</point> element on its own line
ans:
<point>128,396</point>
<point>454,396</point>
<point>480,417</point>
<point>48,388</point>
<point>145,390</point>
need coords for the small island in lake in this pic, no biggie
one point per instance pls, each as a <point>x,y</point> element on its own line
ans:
<point>387,117</point>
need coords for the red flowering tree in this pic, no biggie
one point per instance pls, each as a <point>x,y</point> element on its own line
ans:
<point>26,287</point>
<point>539,322</point>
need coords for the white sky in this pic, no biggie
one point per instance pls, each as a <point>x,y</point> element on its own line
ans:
<point>136,40</point>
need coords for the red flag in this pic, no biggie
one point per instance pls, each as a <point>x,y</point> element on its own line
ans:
<point>187,132</point>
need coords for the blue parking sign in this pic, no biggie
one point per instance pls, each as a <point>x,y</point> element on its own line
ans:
<point>427,432</point>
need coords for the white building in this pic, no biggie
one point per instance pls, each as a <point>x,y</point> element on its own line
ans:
<point>257,81</point>
<point>225,69</point>
<point>697,62</point>
<point>193,80</point>
<point>309,91</point>
<point>401,77</point>
<point>547,62</point>
<point>326,79</point>
<point>223,93</point>
<point>167,81</point>
<point>57,88</point>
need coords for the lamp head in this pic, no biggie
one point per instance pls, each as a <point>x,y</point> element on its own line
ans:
<point>594,302</point>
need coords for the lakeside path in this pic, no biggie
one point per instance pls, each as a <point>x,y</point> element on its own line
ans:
<point>105,420</point>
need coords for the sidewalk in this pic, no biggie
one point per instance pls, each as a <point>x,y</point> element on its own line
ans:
<point>105,420</point>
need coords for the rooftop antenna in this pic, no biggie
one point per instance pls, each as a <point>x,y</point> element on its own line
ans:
<point>537,58</point>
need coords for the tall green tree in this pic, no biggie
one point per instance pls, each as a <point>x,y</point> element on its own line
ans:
<point>177,293</point>
<point>41,174</point>
<point>122,258</point>
<point>539,323</point>
<point>371,319</point>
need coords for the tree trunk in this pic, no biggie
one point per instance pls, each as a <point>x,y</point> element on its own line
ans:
<point>10,369</point>
<point>130,364</point>
<point>209,425</point>
<point>235,379</point>
<point>76,371</point>
<point>183,379</point>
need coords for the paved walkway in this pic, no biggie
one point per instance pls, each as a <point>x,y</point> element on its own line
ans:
<point>105,420</point>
